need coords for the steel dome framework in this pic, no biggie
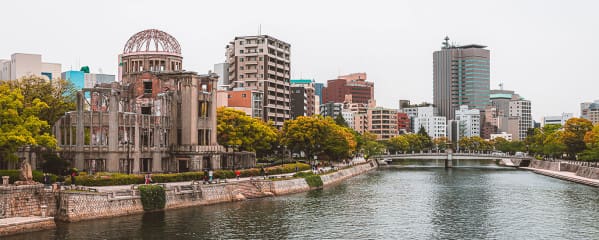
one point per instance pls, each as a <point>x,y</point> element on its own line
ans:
<point>152,40</point>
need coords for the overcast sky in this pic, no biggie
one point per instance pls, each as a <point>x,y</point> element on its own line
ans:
<point>544,50</point>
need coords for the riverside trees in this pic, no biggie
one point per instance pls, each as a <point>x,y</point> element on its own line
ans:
<point>236,129</point>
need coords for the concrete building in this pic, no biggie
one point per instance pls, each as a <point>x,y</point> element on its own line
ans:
<point>92,79</point>
<point>469,121</point>
<point>349,118</point>
<point>24,64</point>
<point>318,87</point>
<point>354,84</point>
<point>263,63</point>
<point>561,120</point>
<point>159,118</point>
<point>222,70</point>
<point>303,98</point>
<point>461,76</point>
<point>503,135</point>
<point>520,118</point>
<point>435,126</point>
<point>331,109</point>
<point>382,122</point>
<point>590,111</point>
<point>77,78</point>
<point>243,99</point>
<point>404,123</point>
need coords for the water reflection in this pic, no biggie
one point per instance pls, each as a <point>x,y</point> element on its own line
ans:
<point>404,203</point>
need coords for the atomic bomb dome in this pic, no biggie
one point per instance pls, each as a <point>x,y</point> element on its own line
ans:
<point>152,51</point>
<point>152,41</point>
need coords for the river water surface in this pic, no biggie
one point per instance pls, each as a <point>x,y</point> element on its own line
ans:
<point>392,203</point>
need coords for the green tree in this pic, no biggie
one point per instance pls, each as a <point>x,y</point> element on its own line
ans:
<point>235,128</point>
<point>398,144</point>
<point>60,96</point>
<point>425,140</point>
<point>20,125</point>
<point>573,136</point>
<point>371,146</point>
<point>339,120</point>
<point>441,143</point>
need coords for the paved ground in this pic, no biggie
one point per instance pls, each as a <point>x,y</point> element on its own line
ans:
<point>22,220</point>
<point>569,176</point>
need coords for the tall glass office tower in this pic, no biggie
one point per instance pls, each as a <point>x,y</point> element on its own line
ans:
<point>461,76</point>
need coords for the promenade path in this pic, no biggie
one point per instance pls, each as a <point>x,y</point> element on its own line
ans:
<point>568,176</point>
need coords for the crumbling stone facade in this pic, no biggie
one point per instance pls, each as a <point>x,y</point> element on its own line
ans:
<point>158,118</point>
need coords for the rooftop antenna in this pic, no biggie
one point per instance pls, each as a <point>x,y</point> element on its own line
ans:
<point>260,29</point>
<point>501,86</point>
<point>446,43</point>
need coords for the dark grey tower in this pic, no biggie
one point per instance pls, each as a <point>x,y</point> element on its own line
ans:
<point>461,76</point>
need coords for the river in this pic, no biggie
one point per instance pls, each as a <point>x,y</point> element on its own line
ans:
<point>391,203</point>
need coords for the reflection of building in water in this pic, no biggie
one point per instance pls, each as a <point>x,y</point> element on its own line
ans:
<point>159,118</point>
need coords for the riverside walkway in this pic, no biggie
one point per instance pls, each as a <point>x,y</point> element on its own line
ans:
<point>563,175</point>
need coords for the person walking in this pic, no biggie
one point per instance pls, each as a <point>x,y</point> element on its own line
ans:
<point>210,174</point>
<point>205,176</point>
<point>148,178</point>
<point>73,174</point>
<point>262,172</point>
<point>237,174</point>
<point>46,179</point>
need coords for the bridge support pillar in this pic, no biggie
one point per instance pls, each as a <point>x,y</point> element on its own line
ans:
<point>449,160</point>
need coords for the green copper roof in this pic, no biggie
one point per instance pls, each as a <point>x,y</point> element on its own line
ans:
<point>300,81</point>
<point>501,95</point>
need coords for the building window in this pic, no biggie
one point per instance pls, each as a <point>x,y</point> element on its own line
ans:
<point>146,165</point>
<point>147,87</point>
<point>243,95</point>
<point>147,110</point>
<point>241,68</point>
<point>260,50</point>
<point>260,58</point>
<point>240,42</point>
<point>241,51</point>
<point>241,59</point>
<point>241,76</point>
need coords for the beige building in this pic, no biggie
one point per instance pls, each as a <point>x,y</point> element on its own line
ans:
<point>24,64</point>
<point>382,122</point>
<point>159,118</point>
<point>262,63</point>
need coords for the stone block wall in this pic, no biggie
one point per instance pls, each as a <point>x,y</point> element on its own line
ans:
<point>289,186</point>
<point>587,172</point>
<point>26,200</point>
<point>76,206</point>
<point>547,165</point>
<point>343,174</point>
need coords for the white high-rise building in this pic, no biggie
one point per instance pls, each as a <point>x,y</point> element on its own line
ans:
<point>349,118</point>
<point>24,64</point>
<point>520,113</point>
<point>469,121</point>
<point>434,125</point>
<point>561,119</point>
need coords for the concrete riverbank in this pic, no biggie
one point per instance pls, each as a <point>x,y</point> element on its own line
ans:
<point>81,204</point>
<point>566,171</point>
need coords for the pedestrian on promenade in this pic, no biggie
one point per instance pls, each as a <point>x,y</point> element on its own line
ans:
<point>237,173</point>
<point>265,173</point>
<point>210,174</point>
<point>73,174</point>
<point>148,178</point>
<point>205,176</point>
<point>46,179</point>
<point>262,172</point>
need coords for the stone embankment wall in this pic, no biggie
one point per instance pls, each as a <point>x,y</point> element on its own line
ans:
<point>582,171</point>
<point>341,175</point>
<point>78,205</point>
<point>26,200</point>
<point>28,226</point>
<point>538,164</point>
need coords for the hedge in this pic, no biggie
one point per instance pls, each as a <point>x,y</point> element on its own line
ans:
<point>152,197</point>
<point>38,176</point>
<point>110,179</point>
<point>312,179</point>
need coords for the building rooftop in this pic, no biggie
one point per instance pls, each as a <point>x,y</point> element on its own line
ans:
<point>301,81</point>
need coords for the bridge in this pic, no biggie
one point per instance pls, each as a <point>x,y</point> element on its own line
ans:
<point>449,158</point>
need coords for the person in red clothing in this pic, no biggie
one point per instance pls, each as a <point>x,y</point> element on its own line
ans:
<point>237,173</point>
<point>148,178</point>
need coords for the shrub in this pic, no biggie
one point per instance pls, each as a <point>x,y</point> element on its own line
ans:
<point>314,180</point>
<point>152,197</point>
<point>38,176</point>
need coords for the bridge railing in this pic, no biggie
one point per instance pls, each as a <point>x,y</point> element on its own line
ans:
<point>454,154</point>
